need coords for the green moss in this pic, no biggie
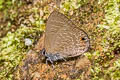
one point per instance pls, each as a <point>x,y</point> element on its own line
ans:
<point>13,48</point>
<point>101,69</point>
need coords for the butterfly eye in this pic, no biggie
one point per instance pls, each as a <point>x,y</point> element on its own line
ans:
<point>43,51</point>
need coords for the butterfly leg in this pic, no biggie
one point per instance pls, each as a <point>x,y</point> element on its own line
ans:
<point>64,59</point>
<point>49,59</point>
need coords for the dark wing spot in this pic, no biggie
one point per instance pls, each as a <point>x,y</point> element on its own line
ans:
<point>82,38</point>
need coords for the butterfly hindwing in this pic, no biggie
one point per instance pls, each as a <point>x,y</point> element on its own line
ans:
<point>63,37</point>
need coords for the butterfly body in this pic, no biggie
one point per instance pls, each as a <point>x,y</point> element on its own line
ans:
<point>63,39</point>
<point>52,57</point>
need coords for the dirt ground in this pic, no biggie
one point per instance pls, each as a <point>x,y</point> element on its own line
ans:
<point>34,67</point>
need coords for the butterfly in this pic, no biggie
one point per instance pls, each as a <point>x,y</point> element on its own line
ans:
<point>63,39</point>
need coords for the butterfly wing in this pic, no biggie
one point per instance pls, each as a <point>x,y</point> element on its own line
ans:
<point>63,37</point>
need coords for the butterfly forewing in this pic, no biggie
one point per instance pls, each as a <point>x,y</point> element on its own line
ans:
<point>63,37</point>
